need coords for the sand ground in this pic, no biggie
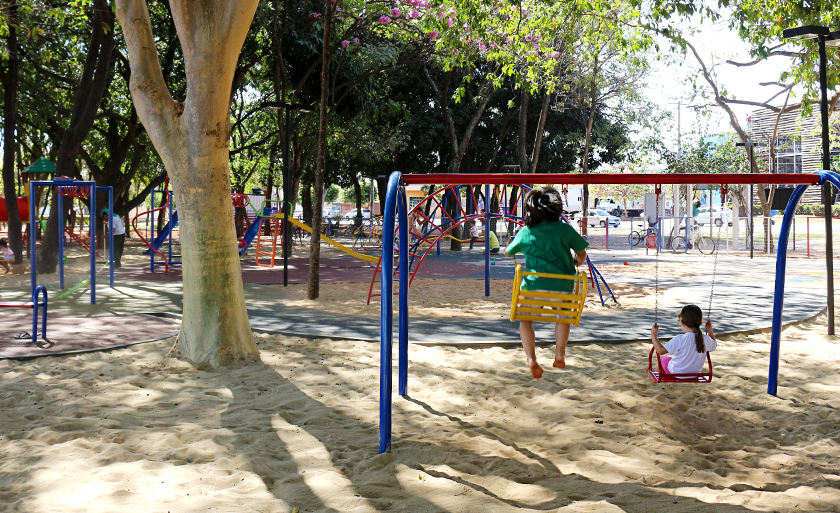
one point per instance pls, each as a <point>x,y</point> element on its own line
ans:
<point>137,430</point>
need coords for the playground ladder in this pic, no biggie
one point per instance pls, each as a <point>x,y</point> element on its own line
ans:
<point>275,230</point>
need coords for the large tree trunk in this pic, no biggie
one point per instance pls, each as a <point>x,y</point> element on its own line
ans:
<point>313,288</point>
<point>10,86</point>
<point>86,102</point>
<point>193,139</point>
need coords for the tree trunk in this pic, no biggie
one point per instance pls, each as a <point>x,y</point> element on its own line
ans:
<point>193,141</point>
<point>10,87</point>
<point>313,288</point>
<point>86,102</point>
<point>523,130</point>
<point>535,154</point>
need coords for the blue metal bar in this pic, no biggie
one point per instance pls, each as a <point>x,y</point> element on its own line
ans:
<point>386,315</point>
<point>486,240</point>
<point>171,226</point>
<point>402,213</point>
<point>779,293</point>
<point>92,227</point>
<point>111,233</point>
<point>61,239</point>
<point>34,224</point>
<point>152,233</point>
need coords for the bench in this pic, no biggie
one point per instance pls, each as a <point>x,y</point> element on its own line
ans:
<point>35,304</point>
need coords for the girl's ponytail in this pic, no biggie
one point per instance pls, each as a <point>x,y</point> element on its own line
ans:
<point>692,316</point>
<point>699,343</point>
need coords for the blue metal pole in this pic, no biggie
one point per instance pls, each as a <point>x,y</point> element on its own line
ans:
<point>171,227</point>
<point>60,239</point>
<point>402,381</point>
<point>779,292</point>
<point>34,224</point>
<point>486,240</point>
<point>111,233</point>
<point>386,314</point>
<point>92,226</point>
<point>152,233</point>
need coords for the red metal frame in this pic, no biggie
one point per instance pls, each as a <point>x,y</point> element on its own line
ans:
<point>687,377</point>
<point>614,178</point>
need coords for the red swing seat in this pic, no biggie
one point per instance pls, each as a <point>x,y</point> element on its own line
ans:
<point>686,377</point>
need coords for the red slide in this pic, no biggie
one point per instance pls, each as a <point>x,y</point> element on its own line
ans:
<point>23,208</point>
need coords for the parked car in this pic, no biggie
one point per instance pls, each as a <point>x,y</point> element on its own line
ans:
<point>609,206</point>
<point>600,217</point>
<point>353,214</point>
<point>705,215</point>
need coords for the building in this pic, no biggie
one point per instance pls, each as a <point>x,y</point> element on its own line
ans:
<point>797,144</point>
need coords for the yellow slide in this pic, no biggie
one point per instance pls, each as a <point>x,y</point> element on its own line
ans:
<point>339,245</point>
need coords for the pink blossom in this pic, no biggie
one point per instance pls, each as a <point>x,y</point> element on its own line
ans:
<point>493,45</point>
<point>316,15</point>
<point>355,39</point>
<point>537,37</point>
<point>554,55</point>
<point>528,38</point>
<point>449,22</point>
<point>508,40</point>
<point>395,12</point>
<point>414,14</point>
<point>384,20</point>
<point>440,14</point>
<point>345,43</point>
<point>434,34</point>
<point>535,45</point>
<point>482,47</point>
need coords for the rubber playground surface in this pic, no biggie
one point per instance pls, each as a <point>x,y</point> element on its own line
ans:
<point>743,294</point>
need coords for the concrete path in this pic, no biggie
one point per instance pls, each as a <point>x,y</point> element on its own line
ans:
<point>742,301</point>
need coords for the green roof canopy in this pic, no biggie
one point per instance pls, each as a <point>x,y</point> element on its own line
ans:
<point>41,165</point>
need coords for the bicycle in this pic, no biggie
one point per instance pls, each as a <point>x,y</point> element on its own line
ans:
<point>638,236</point>
<point>705,244</point>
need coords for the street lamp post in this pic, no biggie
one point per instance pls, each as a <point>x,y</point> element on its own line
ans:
<point>750,146</point>
<point>824,38</point>
<point>287,186</point>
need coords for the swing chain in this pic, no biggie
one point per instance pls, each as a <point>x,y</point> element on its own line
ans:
<point>656,294</point>
<point>723,190</point>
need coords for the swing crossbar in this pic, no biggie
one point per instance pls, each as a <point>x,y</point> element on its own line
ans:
<point>615,178</point>
<point>555,307</point>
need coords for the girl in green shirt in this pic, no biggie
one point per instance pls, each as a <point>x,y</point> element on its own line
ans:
<point>548,245</point>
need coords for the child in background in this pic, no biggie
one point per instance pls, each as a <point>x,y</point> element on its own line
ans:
<point>548,245</point>
<point>687,352</point>
<point>6,256</point>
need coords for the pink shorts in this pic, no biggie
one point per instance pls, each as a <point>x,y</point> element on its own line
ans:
<point>664,361</point>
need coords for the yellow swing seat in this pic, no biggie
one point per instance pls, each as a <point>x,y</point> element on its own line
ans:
<point>543,306</point>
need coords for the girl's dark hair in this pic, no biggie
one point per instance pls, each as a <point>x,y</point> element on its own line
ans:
<point>3,243</point>
<point>544,204</point>
<point>692,316</point>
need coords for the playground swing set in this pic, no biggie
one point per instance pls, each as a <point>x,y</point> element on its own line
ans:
<point>396,229</point>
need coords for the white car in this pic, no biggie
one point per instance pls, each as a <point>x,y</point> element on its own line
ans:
<point>717,215</point>
<point>353,214</point>
<point>601,218</point>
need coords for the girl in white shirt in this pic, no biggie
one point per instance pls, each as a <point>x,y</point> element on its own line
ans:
<point>686,352</point>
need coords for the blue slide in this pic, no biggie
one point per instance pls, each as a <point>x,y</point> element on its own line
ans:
<point>161,237</point>
<point>249,235</point>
